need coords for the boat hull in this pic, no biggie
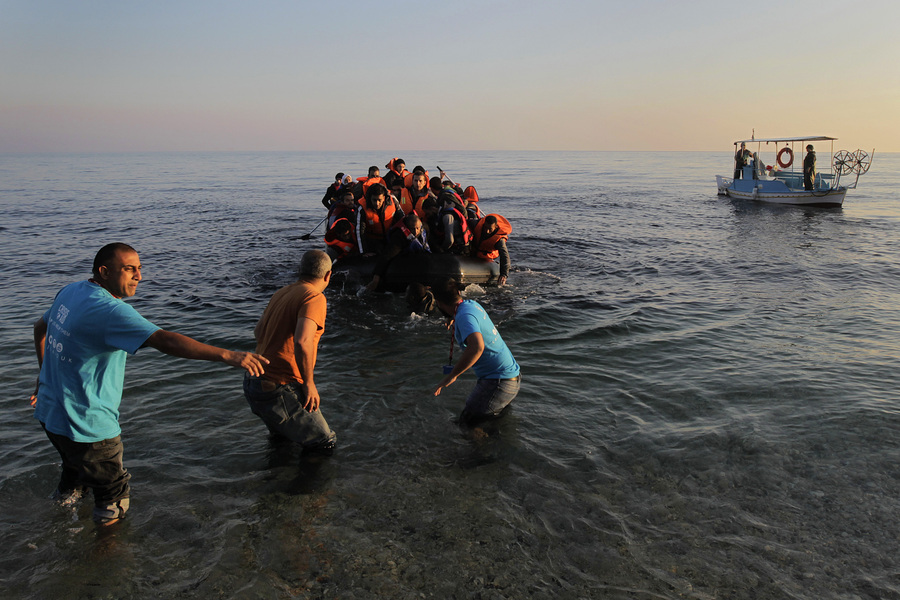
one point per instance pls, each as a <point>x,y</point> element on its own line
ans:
<point>423,268</point>
<point>775,192</point>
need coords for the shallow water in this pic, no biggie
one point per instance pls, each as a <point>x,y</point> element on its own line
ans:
<point>709,405</point>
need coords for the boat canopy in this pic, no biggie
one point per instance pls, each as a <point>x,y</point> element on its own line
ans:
<point>810,138</point>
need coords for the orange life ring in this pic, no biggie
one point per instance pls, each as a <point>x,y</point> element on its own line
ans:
<point>790,160</point>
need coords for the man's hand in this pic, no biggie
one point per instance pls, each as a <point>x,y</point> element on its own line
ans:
<point>37,384</point>
<point>311,403</point>
<point>445,382</point>
<point>253,363</point>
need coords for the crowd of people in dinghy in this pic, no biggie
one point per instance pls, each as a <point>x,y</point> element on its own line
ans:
<point>408,212</point>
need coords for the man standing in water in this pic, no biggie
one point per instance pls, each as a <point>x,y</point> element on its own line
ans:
<point>81,344</point>
<point>286,398</point>
<point>484,351</point>
<point>809,168</point>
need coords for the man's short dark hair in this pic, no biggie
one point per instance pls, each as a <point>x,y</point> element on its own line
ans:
<point>106,254</point>
<point>429,203</point>
<point>375,190</point>
<point>446,291</point>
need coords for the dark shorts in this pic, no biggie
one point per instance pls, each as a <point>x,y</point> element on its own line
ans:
<point>283,413</point>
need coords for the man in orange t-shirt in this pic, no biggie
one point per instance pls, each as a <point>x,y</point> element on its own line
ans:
<point>285,397</point>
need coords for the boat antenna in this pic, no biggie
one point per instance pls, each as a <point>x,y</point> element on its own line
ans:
<point>753,133</point>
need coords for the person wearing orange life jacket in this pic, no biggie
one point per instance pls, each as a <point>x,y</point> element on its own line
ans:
<point>489,236</point>
<point>359,188</point>
<point>378,212</point>
<point>453,229</point>
<point>403,197</point>
<point>407,236</point>
<point>369,182</point>
<point>396,169</point>
<point>418,190</point>
<point>341,240</point>
<point>344,207</point>
<point>417,170</point>
<point>470,197</point>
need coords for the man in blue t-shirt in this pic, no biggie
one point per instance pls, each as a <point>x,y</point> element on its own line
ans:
<point>81,344</point>
<point>484,351</point>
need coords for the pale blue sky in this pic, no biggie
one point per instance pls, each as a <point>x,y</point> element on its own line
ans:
<point>404,75</point>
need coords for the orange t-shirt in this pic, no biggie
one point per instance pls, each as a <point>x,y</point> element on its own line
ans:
<point>275,331</point>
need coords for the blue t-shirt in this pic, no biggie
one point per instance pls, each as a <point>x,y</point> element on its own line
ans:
<point>88,333</point>
<point>496,362</point>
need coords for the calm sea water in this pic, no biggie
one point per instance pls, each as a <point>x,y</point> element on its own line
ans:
<point>709,405</point>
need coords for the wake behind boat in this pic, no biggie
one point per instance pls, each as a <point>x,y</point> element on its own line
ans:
<point>786,183</point>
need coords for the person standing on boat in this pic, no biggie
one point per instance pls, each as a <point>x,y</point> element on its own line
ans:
<point>286,397</point>
<point>809,168</point>
<point>484,351</point>
<point>81,344</point>
<point>741,158</point>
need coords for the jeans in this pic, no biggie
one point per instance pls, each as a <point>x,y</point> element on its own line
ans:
<point>97,466</point>
<point>282,411</point>
<point>490,396</point>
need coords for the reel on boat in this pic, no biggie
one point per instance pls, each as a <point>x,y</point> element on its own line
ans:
<point>863,162</point>
<point>844,162</point>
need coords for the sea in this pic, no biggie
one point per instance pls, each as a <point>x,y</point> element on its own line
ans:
<point>709,404</point>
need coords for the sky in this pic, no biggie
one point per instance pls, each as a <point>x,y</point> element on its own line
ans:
<point>129,76</point>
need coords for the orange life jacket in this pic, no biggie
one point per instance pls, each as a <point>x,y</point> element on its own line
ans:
<point>370,181</point>
<point>470,197</point>
<point>342,247</point>
<point>485,248</point>
<point>408,179</point>
<point>378,222</point>
<point>390,166</point>
<point>406,202</point>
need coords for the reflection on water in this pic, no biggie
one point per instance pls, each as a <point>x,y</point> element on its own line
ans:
<point>708,406</point>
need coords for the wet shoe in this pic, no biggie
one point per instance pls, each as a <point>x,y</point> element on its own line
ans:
<point>326,449</point>
<point>111,513</point>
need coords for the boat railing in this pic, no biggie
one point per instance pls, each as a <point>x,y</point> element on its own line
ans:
<point>794,180</point>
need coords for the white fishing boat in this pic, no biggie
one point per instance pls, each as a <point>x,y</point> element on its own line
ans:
<point>782,180</point>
